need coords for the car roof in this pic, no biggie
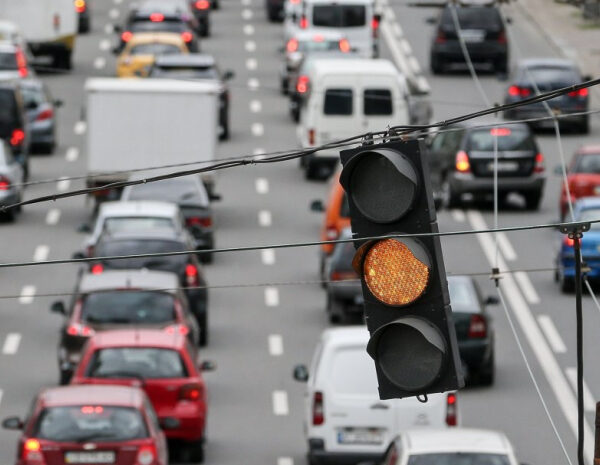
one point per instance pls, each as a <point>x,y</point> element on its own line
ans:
<point>363,66</point>
<point>8,47</point>
<point>428,440</point>
<point>186,59</point>
<point>584,203</point>
<point>141,38</point>
<point>129,86</point>
<point>167,234</point>
<point>64,396</point>
<point>588,150</point>
<point>158,6</point>
<point>158,338</point>
<point>346,336</point>
<point>138,208</point>
<point>9,26</point>
<point>551,62</point>
<point>346,2</point>
<point>129,279</point>
<point>11,84</point>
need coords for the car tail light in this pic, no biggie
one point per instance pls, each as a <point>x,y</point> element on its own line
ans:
<point>451,410</point>
<point>579,93</point>
<point>187,36</point>
<point>569,242</point>
<point>202,5</point>
<point>302,84</point>
<point>516,91</point>
<point>32,451</point>
<point>191,392</point>
<point>311,137</point>
<point>375,26</point>
<point>157,17</point>
<point>303,22</point>
<point>477,327</point>
<point>191,275</point>
<point>56,21</point>
<point>44,115</point>
<point>97,268</point>
<point>4,183</point>
<point>462,162</point>
<point>78,329</point>
<point>146,454</point>
<point>80,6</point>
<point>331,233</point>
<point>177,329</point>
<point>21,63</point>
<point>502,37</point>
<point>343,275</point>
<point>440,38</point>
<point>292,45</point>
<point>318,411</point>
<point>17,137</point>
<point>344,46</point>
<point>539,163</point>
<point>126,36</point>
<point>205,222</point>
<point>500,132</point>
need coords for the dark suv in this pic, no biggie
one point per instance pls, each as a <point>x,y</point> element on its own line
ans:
<point>13,123</point>
<point>483,31</point>
<point>461,161</point>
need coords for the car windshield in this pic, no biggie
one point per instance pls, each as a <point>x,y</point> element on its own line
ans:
<point>96,423</point>
<point>339,15</point>
<point>143,362</point>
<point>552,74</point>
<point>590,214</point>
<point>353,373</point>
<point>136,223</point>
<point>8,61</point>
<point>135,246</point>
<point>187,72</point>
<point>459,458</point>
<point>178,190</point>
<point>509,139</point>
<point>587,164</point>
<point>163,26</point>
<point>473,18</point>
<point>128,307</point>
<point>155,49</point>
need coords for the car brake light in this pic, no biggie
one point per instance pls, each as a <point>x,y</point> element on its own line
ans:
<point>539,163</point>
<point>302,84</point>
<point>32,450</point>
<point>451,409</point>
<point>199,221</point>
<point>191,392</point>
<point>462,162</point>
<point>4,183</point>
<point>146,454</point>
<point>79,6</point>
<point>343,275</point>
<point>292,45</point>
<point>311,137</point>
<point>202,5</point>
<point>44,115</point>
<point>191,275</point>
<point>344,46</point>
<point>89,409</point>
<point>187,36</point>
<point>500,132</point>
<point>502,37</point>
<point>17,137</point>
<point>126,36</point>
<point>516,91</point>
<point>303,22</point>
<point>177,329</point>
<point>97,268</point>
<point>569,242</point>
<point>440,38</point>
<point>21,63</point>
<point>579,93</point>
<point>375,26</point>
<point>157,17</point>
<point>477,327</point>
<point>77,329</point>
<point>318,409</point>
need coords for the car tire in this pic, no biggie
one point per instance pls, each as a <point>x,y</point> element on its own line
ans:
<point>436,65</point>
<point>195,452</point>
<point>203,323</point>
<point>533,200</point>
<point>336,310</point>
<point>450,198</point>
<point>485,377</point>
<point>567,285</point>
<point>47,149</point>
<point>584,126</point>
<point>64,377</point>
<point>206,258</point>
<point>501,65</point>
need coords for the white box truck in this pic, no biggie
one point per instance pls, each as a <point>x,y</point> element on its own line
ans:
<point>49,27</point>
<point>140,123</point>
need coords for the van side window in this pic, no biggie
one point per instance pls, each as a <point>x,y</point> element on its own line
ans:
<point>377,102</point>
<point>339,15</point>
<point>338,102</point>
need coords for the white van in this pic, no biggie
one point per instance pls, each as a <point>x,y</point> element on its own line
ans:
<point>355,19</point>
<point>344,420</point>
<point>346,98</point>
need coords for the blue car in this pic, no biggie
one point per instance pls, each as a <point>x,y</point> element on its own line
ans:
<point>586,209</point>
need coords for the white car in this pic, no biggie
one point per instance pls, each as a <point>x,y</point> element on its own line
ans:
<point>457,446</point>
<point>344,420</point>
<point>133,215</point>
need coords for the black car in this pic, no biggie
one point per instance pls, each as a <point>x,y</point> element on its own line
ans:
<point>185,266</point>
<point>201,11</point>
<point>545,75</point>
<point>275,10</point>
<point>84,16</point>
<point>14,127</point>
<point>201,67</point>
<point>483,31</point>
<point>461,160</point>
<point>190,195</point>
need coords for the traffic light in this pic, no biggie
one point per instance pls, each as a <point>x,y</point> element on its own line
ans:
<point>407,307</point>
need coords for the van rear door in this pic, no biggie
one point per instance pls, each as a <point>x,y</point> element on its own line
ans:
<point>381,102</point>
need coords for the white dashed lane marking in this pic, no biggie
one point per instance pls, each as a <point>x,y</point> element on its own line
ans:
<point>255,106</point>
<point>267,256</point>
<point>99,62</point>
<point>251,64</point>
<point>246,2</point>
<point>11,344</point>
<point>527,287</point>
<point>262,186</point>
<point>253,83</point>
<point>250,46</point>
<point>247,14</point>
<point>275,345</point>
<point>271,296</point>
<point>80,127</point>
<point>113,13</point>
<point>285,461</point>
<point>27,295</point>
<point>53,216</point>
<point>72,154</point>
<point>258,129</point>
<point>105,43</point>
<point>41,253</point>
<point>248,29</point>
<point>506,247</point>
<point>552,334</point>
<point>264,218</point>
<point>280,403</point>
<point>458,216</point>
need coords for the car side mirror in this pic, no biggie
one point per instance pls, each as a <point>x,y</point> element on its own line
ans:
<point>587,77</point>
<point>214,197</point>
<point>12,423</point>
<point>228,75</point>
<point>317,206</point>
<point>84,228</point>
<point>431,20</point>
<point>492,300</point>
<point>207,365</point>
<point>58,103</point>
<point>58,307</point>
<point>31,105</point>
<point>78,256</point>
<point>301,373</point>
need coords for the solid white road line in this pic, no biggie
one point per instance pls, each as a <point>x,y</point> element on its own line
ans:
<point>397,30</point>
<point>105,43</point>
<point>253,84</point>
<point>247,14</point>
<point>267,256</point>
<point>251,64</point>
<point>63,185</point>
<point>589,404</point>
<point>255,106</point>
<point>257,129</point>
<point>506,247</point>
<point>458,215</point>
<point>11,344</point>
<point>552,334</point>
<point>527,287</point>
<point>552,370</point>
<point>262,185</point>
<point>41,253</point>
<point>99,62</point>
<point>406,48</point>
<point>250,46</point>
<point>80,127</point>
<point>280,403</point>
<point>264,218</point>
<point>72,154</point>
<point>113,13</point>
<point>389,14</point>
<point>27,295</point>
<point>271,296</point>
<point>53,216</point>
<point>248,29</point>
<point>285,461</point>
<point>275,345</point>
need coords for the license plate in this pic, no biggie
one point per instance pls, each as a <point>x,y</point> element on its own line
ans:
<point>504,166</point>
<point>360,436</point>
<point>90,457</point>
<point>472,35</point>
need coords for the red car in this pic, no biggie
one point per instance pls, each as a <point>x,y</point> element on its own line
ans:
<point>90,424</point>
<point>164,365</point>
<point>583,177</point>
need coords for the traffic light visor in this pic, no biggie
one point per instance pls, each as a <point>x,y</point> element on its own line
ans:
<point>396,271</point>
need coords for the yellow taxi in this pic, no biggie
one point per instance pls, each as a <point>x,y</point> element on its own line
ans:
<point>139,53</point>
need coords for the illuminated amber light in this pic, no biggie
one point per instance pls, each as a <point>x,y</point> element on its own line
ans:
<point>393,274</point>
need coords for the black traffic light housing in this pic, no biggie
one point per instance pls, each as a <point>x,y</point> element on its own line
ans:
<point>413,341</point>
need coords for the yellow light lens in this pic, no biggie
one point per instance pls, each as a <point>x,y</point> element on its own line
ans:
<point>393,274</point>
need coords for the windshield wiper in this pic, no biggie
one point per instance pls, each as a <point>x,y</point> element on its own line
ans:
<point>120,374</point>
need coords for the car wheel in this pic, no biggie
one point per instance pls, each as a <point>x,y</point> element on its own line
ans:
<point>532,200</point>
<point>449,198</point>
<point>584,127</point>
<point>485,377</point>
<point>195,452</point>
<point>501,65</point>
<point>567,285</point>
<point>336,310</point>
<point>203,323</point>
<point>65,377</point>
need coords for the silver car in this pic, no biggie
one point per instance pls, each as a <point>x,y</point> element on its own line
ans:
<point>11,179</point>
<point>41,114</point>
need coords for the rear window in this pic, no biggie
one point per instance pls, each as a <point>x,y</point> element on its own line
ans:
<point>136,223</point>
<point>98,423</point>
<point>461,458</point>
<point>155,49</point>
<point>8,61</point>
<point>552,75</point>
<point>339,15</point>
<point>178,190</point>
<point>353,372</point>
<point>131,362</point>
<point>134,247</point>
<point>163,26</point>
<point>8,107</point>
<point>318,45</point>
<point>473,18</point>
<point>128,307</point>
<point>509,139</point>
<point>377,102</point>
<point>338,102</point>
<point>587,164</point>
<point>182,72</point>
